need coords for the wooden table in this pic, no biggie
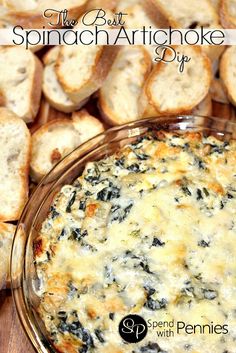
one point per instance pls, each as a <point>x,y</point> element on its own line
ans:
<point>12,337</point>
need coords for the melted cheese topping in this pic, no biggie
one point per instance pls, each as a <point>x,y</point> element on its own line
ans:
<point>151,231</point>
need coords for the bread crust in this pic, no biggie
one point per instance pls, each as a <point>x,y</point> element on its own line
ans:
<point>226,76</point>
<point>103,62</point>
<point>50,59</point>
<point>227,20</point>
<point>36,91</point>
<point>7,231</point>
<point>34,19</point>
<point>104,108</point>
<point>6,116</point>
<point>188,105</point>
<point>35,172</point>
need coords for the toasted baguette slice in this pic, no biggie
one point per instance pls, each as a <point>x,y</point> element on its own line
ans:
<point>228,13</point>
<point>216,4</point>
<point>172,92</point>
<point>29,13</point>
<point>46,113</point>
<point>137,17</point>
<point>119,95</point>
<point>50,144</point>
<point>228,73</point>
<point>6,237</point>
<point>218,91</point>
<point>14,156</point>
<point>186,14</point>
<point>101,4</point>
<point>87,125</point>
<point>52,88</point>
<point>6,23</point>
<point>204,108</point>
<point>56,139</point>
<point>81,70</point>
<point>20,81</point>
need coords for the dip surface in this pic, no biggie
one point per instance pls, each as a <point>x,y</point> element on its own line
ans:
<point>150,230</point>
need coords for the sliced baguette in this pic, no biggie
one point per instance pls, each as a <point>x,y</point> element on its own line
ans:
<point>228,13</point>
<point>101,4</point>
<point>29,13</point>
<point>218,91</point>
<point>6,23</point>
<point>204,108</point>
<point>6,237</point>
<point>172,92</point>
<point>81,70</point>
<point>87,125</point>
<point>52,88</point>
<point>186,14</point>
<point>14,155</point>
<point>216,4</point>
<point>20,81</point>
<point>137,17</point>
<point>228,73</point>
<point>120,93</point>
<point>56,139</point>
<point>46,113</point>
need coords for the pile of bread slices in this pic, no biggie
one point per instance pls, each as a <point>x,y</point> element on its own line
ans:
<point>54,99</point>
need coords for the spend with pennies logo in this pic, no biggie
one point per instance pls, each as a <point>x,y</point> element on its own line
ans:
<point>133,328</point>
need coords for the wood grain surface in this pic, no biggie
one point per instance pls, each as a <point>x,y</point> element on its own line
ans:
<point>12,336</point>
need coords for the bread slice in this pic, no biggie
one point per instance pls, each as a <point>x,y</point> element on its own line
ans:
<point>52,88</point>
<point>101,4</point>
<point>20,81</point>
<point>14,156</point>
<point>6,237</point>
<point>87,125</point>
<point>218,91</point>
<point>204,108</point>
<point>81,70</point>
<point>172,92</point>
<point>228,72</point>
<point>120,93</point>
<point>56,139</point>
<point>46,113</point>
<point>29,13</point>
<point>216,4</point>
<point>228,13</point>
<point>137,17</point>
<point>186,14</point>
<point>6,23</point>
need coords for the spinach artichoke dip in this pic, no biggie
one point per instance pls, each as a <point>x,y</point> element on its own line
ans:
<point>151,231</point>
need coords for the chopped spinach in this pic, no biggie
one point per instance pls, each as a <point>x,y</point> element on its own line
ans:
<point>71,202</point>
<point>134,168</point>
<point>77,234</point>
<point>209,294</point>
<point>151,347</point>
<point>108,193</point>
<point>53,212</point>
<point>203,244</point>
<point>158,242</point>
<point>99,335</point>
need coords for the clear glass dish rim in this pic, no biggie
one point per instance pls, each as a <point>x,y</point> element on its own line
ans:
<point>36,337</point>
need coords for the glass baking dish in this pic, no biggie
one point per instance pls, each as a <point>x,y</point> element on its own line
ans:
<point>23,274</point>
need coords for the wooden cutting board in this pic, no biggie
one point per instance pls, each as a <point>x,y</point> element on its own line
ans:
<point>12,337</point>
